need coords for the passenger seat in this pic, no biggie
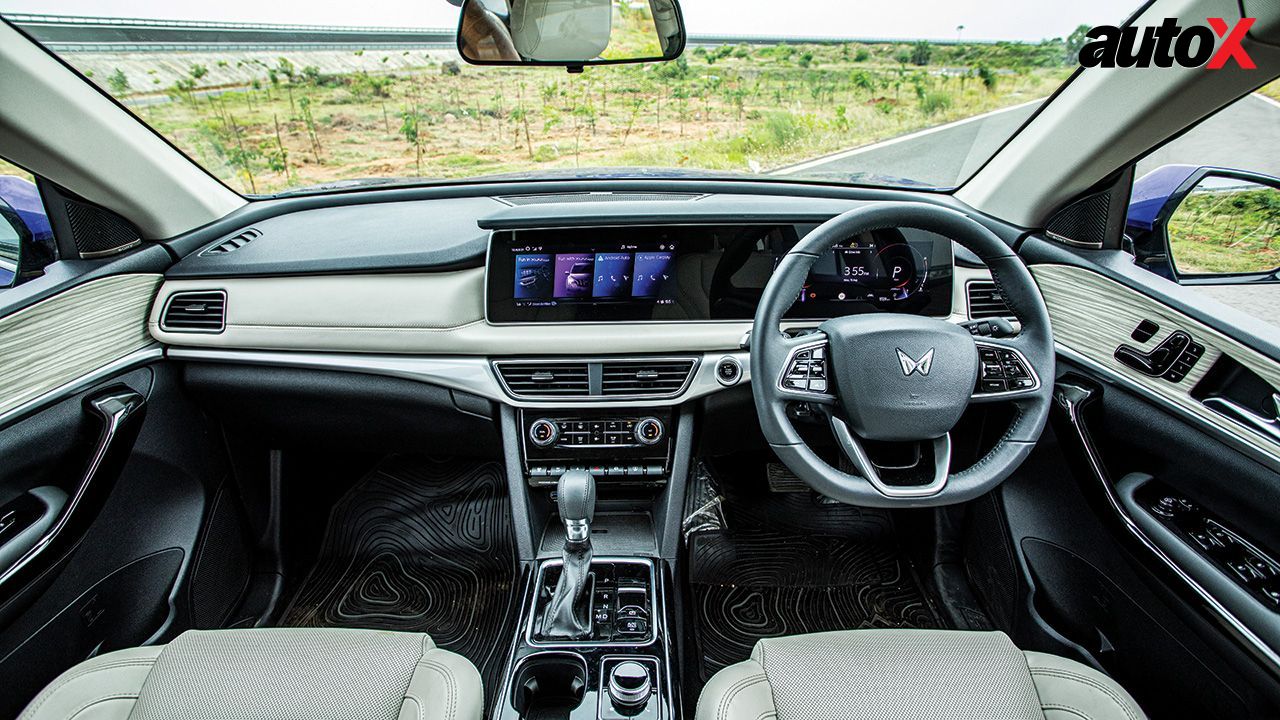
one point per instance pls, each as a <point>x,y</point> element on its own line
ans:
<point>269,674</point>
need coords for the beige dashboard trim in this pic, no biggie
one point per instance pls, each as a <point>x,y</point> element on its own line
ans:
<point>1092,315</point>
<point>57,341</point>
<point>418,313</point>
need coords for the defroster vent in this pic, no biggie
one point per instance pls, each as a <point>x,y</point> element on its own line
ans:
<point>203,311</point>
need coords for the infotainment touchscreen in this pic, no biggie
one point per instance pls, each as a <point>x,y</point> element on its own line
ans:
<point>609,273</point>
<point>705,272</point>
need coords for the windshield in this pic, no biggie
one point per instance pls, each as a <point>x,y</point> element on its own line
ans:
<point>268,100</point>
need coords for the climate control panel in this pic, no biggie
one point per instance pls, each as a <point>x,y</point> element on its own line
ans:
<point>611,445</point>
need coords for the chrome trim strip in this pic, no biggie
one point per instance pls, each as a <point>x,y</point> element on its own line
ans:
<point>1072,406</point>
<point>135,359</point>
<point>474,375</point>
<point>655,611</point>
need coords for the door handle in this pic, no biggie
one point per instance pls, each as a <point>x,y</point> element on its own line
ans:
<point>118,412</point>
<point>1269,426</point>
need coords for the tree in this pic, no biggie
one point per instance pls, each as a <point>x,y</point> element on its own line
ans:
<point>118,83</point>
<point>410,129</point>
<point>1075,41</point>
<point>921,52</point>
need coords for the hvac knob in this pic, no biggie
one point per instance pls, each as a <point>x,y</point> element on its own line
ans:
<point>544,432</point>
<point>649,431</point>
<point>630,685</point>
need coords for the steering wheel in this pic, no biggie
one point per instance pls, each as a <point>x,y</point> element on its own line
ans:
<point>891,377</point>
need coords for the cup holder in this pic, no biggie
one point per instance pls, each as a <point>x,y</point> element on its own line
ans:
<point>549,686</point>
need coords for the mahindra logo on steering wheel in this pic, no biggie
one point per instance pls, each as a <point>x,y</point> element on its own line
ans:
<point>920,366</point>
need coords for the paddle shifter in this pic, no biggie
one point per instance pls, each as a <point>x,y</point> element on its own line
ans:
<point>568,614</point>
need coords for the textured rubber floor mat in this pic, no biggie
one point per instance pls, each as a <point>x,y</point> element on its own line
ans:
<point>789,564</point>
<point>424,546</point>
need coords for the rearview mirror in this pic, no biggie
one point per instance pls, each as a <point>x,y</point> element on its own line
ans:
<point>570,33</point>
<point>1205,225</point>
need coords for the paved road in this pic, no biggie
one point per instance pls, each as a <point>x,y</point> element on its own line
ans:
<point>1245,136</point>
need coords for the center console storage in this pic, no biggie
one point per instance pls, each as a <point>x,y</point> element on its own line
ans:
<point>622,672</point>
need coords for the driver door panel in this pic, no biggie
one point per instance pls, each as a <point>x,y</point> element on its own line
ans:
<point>1141,432</point>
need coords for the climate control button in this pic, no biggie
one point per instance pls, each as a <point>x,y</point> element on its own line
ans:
<point>544,432</point>
<point>649,431</point>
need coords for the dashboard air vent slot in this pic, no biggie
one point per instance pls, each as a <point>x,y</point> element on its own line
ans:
<point>985,301</point>
<point>204,311</point>
<point>235,242</point>
<point>648,378</point>
<point>542,199</point>
<point>545,380</point>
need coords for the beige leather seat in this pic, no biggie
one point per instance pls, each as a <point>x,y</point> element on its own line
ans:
<point>909,675</point>
<point>269,674</point>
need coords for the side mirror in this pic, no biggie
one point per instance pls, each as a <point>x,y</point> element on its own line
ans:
<point>570,33</point>
<point>1206,225</point>
<point>26,237</point>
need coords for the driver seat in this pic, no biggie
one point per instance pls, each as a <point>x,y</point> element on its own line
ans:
<point>909,675</point>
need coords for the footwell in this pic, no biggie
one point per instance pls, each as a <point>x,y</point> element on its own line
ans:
<point>424,546</point>
<point>786,565</point>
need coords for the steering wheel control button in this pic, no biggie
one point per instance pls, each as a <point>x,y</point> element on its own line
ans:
<point>728,371</point>
<point>1002,370</point>
<point>544,432</point>
<point>806,370</point>
<point>649,431</point>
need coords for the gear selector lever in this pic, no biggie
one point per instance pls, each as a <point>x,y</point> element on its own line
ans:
<point>568,613</point>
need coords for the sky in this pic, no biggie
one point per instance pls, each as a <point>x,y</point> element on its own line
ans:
<point>1024,20</point>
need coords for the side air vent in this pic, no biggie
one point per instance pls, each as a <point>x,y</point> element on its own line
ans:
<point>204,312</point>
<point>547,198</point>
<point>234,243</point>
<point>645,378</point>
<point>985,301</point>
<point>545,380</point>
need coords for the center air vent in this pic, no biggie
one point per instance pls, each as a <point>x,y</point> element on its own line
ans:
<point>619,379</point>
<point>545,380</point>
<point>204,311</point>
<point>234,242</point>
<point>648,378</point>
<point>985,301</point>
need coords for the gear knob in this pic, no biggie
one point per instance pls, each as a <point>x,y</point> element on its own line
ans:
<point>576,498</point>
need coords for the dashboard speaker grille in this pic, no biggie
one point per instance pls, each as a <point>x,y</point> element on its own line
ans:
<point>204,311</point>
<point>546,380</point>
<point>644,377</point>
<point>985,301</point>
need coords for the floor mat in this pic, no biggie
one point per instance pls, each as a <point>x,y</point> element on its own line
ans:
<point>785,565</point>
<point>425,546</point>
